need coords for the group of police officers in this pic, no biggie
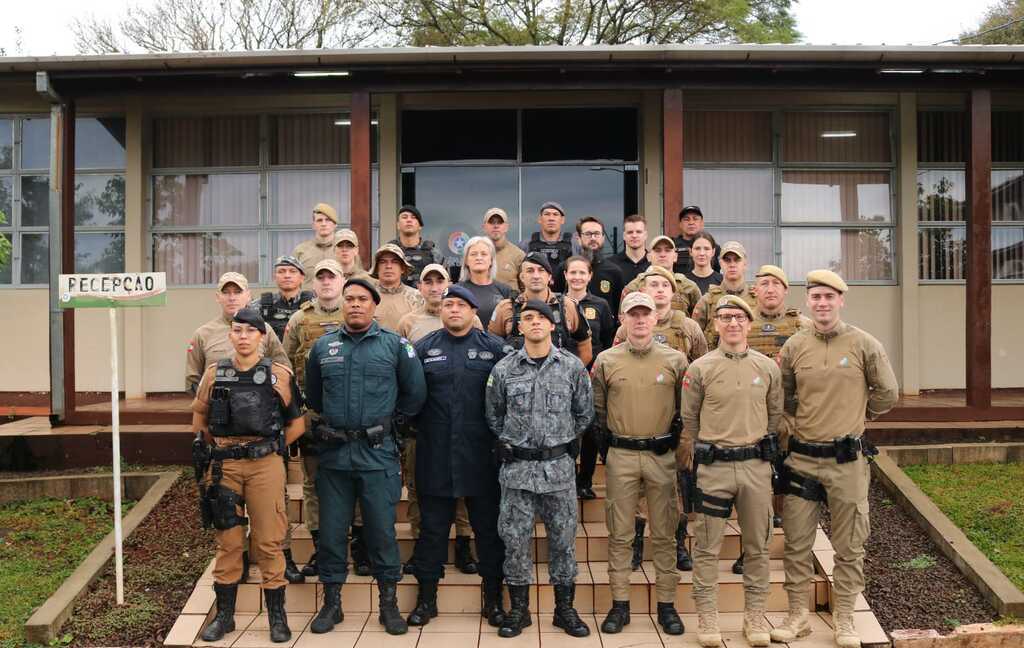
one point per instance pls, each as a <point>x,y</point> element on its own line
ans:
<point>698,403</point>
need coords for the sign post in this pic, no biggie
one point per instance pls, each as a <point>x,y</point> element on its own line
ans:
<point>113,291</point>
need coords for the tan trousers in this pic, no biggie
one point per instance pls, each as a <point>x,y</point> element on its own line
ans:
<point>261,483</point>
<point>631,474</point>
<point>750,484</point>
<point>847,488</point>
<point>462,527</point>
<point>310,501</point>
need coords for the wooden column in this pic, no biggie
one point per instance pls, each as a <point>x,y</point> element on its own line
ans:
<point>979,250</point>
<point>672,159</point>
<point>66,164</point>
<point>361,179</point>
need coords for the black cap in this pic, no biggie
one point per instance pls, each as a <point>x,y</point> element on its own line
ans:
<point>289,260</point>
<point>691,209</point>
<point>365,284</point>
<point>250,316</point>
<point>463,293</point>
<point>540,307</point>
<point>412,210</point>
<point>540,259</point>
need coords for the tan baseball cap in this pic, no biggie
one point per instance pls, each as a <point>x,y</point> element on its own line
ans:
<point>734,247</point>
<point>734,301</point>
<point>495,211</point>
<point>826,278</point>
<point>326,210</point>
<point>661,272</point>
<point>346,235</point>
<point>769,270</point>
<point>435,267</point>
<point>635,299</point>
<point>236,278</point>
<point>329,265</point>
<point>392,249</point>
<point>659,239</point>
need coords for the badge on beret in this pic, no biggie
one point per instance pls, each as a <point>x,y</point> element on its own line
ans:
<point>590,312</point>
<point>606,286</point>
<point>260,377</point>
<point>724,301</point>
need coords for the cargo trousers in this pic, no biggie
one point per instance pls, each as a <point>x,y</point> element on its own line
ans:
<point>462,525</point>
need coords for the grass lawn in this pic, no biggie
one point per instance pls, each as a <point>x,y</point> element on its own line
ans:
<point>41,543</point>
<point>987,502</point>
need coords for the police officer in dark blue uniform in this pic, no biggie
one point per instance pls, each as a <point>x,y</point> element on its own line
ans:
<point>550,241</point>
<point>454,453</point>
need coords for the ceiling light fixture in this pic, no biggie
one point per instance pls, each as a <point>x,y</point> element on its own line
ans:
<point>348,122</point>
<point>312,74</point>
<point>838,134</point>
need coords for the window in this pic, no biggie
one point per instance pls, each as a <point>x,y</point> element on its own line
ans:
<point>24,200</point>
<point>942,195</point>
<point>99,194</point>
<point>821,197</point>
<point>231,193</point>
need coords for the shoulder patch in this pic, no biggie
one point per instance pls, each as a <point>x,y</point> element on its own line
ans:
<point>687,381</point>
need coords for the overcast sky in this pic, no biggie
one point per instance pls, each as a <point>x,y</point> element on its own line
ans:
<point>45,24</point>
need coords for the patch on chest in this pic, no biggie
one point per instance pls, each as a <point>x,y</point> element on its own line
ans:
<point>757,381</point>
<point>658,337</point>
<point>435,359</point>
<point>590,313</point>
<point>433,352</point>
<point>606,286</point>
<point>660,378</point>
<point>768,328</point>
<point>844,362</point>
<point>486,355</point>
<point>332,351</point>
<point>471,354</point>
<point>260,377</point>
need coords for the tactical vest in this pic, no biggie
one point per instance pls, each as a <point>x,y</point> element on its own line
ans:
<point>768,335</point>
<point>311,328</point>
<point>418,257</point>
<point>556,252</point>
<point>673,335</point>
<point>680,301</point>
<point>560,337</point>
<point>276,312</point>
<point>712,296</point>
<point>244,403</point>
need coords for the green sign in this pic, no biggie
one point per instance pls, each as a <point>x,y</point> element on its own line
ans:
<point>120,290</point>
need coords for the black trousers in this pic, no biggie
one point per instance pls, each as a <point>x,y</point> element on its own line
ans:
<point>436,517</point>
<point>588,460</point>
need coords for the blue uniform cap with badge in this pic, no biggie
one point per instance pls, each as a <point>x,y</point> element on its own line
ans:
<point>251,317</point>
<point>462,293</point>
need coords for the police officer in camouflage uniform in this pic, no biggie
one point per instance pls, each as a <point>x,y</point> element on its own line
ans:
<point>538,403</point>
<point>277,308</point>
<point>419,252</point>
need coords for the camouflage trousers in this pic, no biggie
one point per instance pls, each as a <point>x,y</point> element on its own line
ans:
<point>560,515</point>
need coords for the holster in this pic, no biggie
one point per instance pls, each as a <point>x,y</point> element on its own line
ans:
<point>200,462</point>
<point>703,453</point>
<point>793,483</point>
<point>769,447</point>
<point>688,487</point>
<point>503,452</point>
<point>701,502</point>
<point>222,502</point>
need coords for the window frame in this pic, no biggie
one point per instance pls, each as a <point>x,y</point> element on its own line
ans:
<point>14,229</point>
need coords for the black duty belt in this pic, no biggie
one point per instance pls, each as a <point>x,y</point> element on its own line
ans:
<point>374,436</point>
<point>843,450</point>
<point>741,453</point>
<point>254,450</point>
<point>640,443</point>
<point>540,454</point>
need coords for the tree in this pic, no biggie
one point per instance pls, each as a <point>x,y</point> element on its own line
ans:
<point>1002,24</point>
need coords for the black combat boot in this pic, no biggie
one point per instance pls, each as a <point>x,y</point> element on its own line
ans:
<point>291,570</point>
<point>464,560</point>
<point>279,630</point>
<point>389,616</point>
<point>245,568</point>
<point>566,616</point>
<point>683,560</point>
<point>737,567</point>
<point>638,543</point>
<point>310,568</point>
<point>617,619</point>
<point>426,604</point>
<point>224,621</point>
<point>669,619</point>
<point>519,616</point>
<point>359,554</point>
<point>330,613</point>
<point>491,608</point>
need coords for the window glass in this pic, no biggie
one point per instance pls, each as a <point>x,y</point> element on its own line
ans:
<point>97,252</point>
<point>849,137</point>
<point>6,143</point>
<point>562,134</point>
<point>1008,195</point>
<point>1008,136</point>
<point>943,253</point>
<point>284,241</point>
<point>202,257</point>
<point>314,139</point>
<point>1008,253</point>
<point>453,135</point>
<point>189,142</point>
<point>941,136</point>
<point>35,201</point>
<point>293,194</point>
<point>836,196</point>
<point>35,143</point>
<point>35,258</point>
<point>99,143</point>
<point>7,245</point>
<point>727,136</point>
<point>940,195</point>
<point>731,195</point>
<point>581,190</point>
<point>99,200</point>
<point>206,199</point>
<point>759,243</point>
<point>856,254</point>
<point>6,201</point>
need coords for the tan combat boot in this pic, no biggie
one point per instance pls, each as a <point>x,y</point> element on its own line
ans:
<point>795,626</point>
<point>708,634</point>
<point>756,628</point>
<point>846,633</point>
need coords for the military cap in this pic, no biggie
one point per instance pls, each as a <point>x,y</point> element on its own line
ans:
<point>392,249</point>
<point>412,210</point>
<point>346,236</point>
<point>690,209</point>
<point>250,316</point>
<point>496,211</point>
<point>769,270</point>
<point>635,299</point>
<point>734,247</point>
<point>289,260</point>
<point>236,278</point>
<point>540,307</point>
<point>661,272</point>
<point>329,265</point>
<point>538,258</point>
<point>551,204</point>
<point>659,239</point>
<point>434,267</point>
<point>734,301</point>
<point>455,290</point>
<point>359,281</point>
<point>326,210</point>
<point>826,278</point>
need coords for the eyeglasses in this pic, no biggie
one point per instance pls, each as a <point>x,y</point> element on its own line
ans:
<point>725,319</point>
<point>591,234</point>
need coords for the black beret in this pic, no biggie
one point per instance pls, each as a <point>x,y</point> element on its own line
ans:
<point>540,259</point>
<point>365,284</point>
<point>250,316</point>
<point>412,210</point>
<point>455,290</point>
<point>540,307</point>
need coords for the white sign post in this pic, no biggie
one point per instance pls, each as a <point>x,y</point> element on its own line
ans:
<point>113,291</point>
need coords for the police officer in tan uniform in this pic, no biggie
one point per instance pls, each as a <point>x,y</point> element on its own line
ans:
<point>508,256</point>
<point>312,320</point>
<point>733,260</point>
<point>321,246</point>
<point>674,328</point>
<point>247,409</point>
<point>732,402</point>
<point>663,255</point>
<point>396,298</point>
<point>346,251</point>
<point>834,375</point>
<point>636,397</point>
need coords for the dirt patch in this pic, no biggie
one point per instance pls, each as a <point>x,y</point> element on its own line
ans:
<point>164,558</point>
<point>909,583</point>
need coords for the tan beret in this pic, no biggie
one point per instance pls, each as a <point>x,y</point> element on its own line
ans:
<point>734,247</point>
<point>326,210</point>
<point>434,267</point>
<point>826,278</point>
<point>329,265</point>
<point>236,278</point>
<point>661,272</point>
<point>346,236</point>
<point>734,301</point>
<point>659,239</point>
<point>635,299</point>
<point>768,270</point>
<point>390,248</point>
